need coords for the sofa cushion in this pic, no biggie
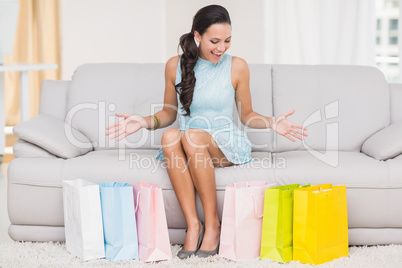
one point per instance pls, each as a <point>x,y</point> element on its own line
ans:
<point>28,176</point>
<point>53,98</point>
<point>136,165</point>
<point>354,169</point>
<point>98,91</point>
<point>341,106</point>
<point>261,97</point>
<point>53,135</point>
<point>385,144</point>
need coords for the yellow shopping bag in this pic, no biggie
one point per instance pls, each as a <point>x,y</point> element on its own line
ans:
<point>320,224</point>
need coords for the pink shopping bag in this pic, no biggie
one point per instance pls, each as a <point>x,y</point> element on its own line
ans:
<point>153,237</point>
<point>242,220</point>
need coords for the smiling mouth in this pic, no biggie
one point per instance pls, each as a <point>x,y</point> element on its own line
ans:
<point>216,55</point>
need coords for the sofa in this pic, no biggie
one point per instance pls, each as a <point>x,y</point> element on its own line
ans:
<point>354,138</point>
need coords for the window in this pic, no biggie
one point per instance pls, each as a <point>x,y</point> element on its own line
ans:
<point>393,24</point>
<point>393,40</point>
<point>387,41</point>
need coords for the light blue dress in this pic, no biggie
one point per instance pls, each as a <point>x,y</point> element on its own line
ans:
<point>212,109</point>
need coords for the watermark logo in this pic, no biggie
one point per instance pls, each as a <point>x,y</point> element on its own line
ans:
<point>331,154</point>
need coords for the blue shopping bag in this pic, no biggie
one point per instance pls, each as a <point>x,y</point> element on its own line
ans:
<point>119,223</point>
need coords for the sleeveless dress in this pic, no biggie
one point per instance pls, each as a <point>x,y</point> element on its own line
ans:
<point>212,109</point>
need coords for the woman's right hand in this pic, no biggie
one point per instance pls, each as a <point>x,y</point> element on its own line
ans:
<point>129,125</point>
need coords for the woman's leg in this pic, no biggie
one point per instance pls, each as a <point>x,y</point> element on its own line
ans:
<point>177,168</point>
<point>203,155</point>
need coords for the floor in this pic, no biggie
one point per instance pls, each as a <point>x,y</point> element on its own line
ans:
<point>5,160</point>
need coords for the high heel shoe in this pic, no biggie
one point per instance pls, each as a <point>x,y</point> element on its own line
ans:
<point>184,254</point>
<point>207,253</point>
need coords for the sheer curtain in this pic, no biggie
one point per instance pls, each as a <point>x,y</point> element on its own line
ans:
<point>36,40</point>
<point>320,32</point>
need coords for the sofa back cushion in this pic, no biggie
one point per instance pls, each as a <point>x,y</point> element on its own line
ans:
<point>341,106</point>
<point>98,91</point>
<point>261,97</point>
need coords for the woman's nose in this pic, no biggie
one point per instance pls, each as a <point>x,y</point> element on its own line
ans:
<point>221,47</point>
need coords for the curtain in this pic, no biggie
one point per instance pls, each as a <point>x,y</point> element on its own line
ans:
<point>320,32</point>
<point>36,41</point>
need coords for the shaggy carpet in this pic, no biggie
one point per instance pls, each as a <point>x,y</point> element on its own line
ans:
<point>16,254</point>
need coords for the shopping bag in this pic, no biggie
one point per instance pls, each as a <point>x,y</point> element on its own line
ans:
<point>277,223</point>
<point>320,224</point>
<point>242,220</point>
<point>119,224</point>
<point>83,219</point>
<point>153,236</point>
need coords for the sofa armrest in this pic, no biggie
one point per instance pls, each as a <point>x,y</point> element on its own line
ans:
<point>24,149</point>
<point>54,136</point>
<point>385,144</point>
<point>396,99</point>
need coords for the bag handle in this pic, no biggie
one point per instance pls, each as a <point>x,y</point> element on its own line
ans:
<point>138,201</point>
<point>255,208</point>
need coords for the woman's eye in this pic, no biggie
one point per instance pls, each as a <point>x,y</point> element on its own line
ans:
<point>216,42</point>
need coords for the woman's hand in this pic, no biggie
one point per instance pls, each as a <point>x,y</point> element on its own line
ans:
<point>129,125</point>
<point>282,126</point>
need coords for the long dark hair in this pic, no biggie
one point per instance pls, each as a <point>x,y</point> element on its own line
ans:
<point>204,18</point>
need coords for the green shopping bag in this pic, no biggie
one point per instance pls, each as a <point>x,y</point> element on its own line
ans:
<point>277,223</point>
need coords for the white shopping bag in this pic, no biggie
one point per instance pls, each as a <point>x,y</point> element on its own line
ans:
<point>83,219</point>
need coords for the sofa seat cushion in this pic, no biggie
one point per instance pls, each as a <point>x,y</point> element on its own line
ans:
<point>136,165</point>
<point>353,170</point>
<point>39,180</point>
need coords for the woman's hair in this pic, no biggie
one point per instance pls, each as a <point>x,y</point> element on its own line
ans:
<point>204,18</point>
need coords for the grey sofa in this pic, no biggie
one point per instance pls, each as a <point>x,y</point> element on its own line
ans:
<point>353,116</point>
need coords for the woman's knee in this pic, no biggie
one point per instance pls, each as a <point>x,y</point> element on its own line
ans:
<point>171,138</point>
<point>194,140</point>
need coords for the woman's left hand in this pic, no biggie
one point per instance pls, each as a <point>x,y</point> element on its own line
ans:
<point>282,126</point>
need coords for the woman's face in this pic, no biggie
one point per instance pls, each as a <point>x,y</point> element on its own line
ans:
<point>214,42</point>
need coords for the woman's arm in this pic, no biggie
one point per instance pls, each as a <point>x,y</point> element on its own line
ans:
<point>241,83</point>
<point>168,114</point>
<point>280,124</point>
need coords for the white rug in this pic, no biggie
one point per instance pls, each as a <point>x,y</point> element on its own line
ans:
<point>15,254</point>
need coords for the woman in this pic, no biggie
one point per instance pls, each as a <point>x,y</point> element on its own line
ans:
<point>202,84</point>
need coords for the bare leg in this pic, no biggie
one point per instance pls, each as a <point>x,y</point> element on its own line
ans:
<point>176,162</point>
<point>201,150</point>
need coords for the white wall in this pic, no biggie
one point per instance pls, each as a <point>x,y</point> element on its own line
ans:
<point>147,31</point>
<point>247,26</point>
<point>110,31</point>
